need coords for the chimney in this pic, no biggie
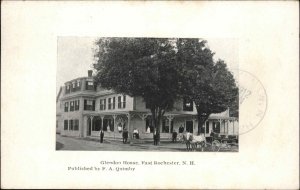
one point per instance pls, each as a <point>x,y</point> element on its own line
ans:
<point>90,73</point>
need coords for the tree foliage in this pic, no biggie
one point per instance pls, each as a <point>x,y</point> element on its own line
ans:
<point>144,67</point>
<point>162,70</point>
<point>210,85</point>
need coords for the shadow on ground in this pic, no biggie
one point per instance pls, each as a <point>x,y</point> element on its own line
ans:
<point>59,145</point>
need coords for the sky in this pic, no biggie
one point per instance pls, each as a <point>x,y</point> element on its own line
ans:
<point>76,56</point>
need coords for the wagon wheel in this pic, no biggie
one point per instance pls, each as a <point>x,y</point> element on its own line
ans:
<point>215,146</point>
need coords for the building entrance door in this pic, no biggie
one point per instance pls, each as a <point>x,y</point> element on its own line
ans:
<point>189,126</point>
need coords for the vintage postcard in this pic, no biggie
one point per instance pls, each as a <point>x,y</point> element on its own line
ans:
<point>150,95</point>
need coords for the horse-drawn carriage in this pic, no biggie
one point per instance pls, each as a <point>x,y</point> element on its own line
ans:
<point>215,142</point>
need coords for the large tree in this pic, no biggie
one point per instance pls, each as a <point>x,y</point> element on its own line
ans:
<point>209,84</point>
<point>144,67</point>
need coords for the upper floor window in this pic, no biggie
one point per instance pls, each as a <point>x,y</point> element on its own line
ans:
<point>77,104</point>
<point>66,106</point>
<point>72,106</point>
<point>89,85</point>
<point>102,104</point>
<point>89,105</point>
<point>121,101</point>
<point>109,103</point>
<point>187,105</point>
<point>114,102</point>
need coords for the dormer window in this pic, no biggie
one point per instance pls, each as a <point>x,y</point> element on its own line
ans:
<point>187,105</point>
<point>89,85</point>
<point>67,88</point>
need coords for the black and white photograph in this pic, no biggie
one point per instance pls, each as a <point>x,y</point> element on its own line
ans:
<point>147,94</point>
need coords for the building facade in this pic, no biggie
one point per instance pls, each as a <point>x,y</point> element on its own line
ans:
<point>83,109</point>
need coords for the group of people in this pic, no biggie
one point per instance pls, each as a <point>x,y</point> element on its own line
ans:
<point>125,134</point>
<point>174,133</point>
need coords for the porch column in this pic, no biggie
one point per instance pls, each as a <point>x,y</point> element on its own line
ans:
<point>84,126</point>
<point>233,125</point>
<point>91,117</point>
<point>170,118</point>
<point>102,117</point>
<point>144,116</point>
<point>220,125</point>
<point>194,121</point>
<point>129,129</point>
<point>227,125</point>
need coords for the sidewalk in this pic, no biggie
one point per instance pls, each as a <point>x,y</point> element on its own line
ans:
<point>143,143</point>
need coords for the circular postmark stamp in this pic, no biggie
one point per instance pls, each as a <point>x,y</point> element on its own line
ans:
<point>252,101</point>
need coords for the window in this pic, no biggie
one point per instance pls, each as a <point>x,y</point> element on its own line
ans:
<point>216,127</point>
<point>187,105</point>
<point>114,102</point>
<point>149,124</point>
<point>71,125</point>
<point>66,106</point>
<point>102,104</point>
<point>89,85</point>
<point>77,104</point>
<point>89,105</point>
<point>111,124</point>
<point>189,126</point>
<point>109,103</point>
<point>73,87</point>
<point>76,125</point>
<point>119,102</point>
<point>124,101</point>
<point>65,125</point>
<point>67,88</point>
<point>207,127</point>
<point>78,85</point>
<point>97,124</point>
<point>72,106</point>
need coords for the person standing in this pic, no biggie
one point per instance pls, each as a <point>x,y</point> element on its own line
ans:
<point>181,129</point>
<point>174,136</point>
<point>101,135</point>
<point>125,136</point>
<point>155,137</point>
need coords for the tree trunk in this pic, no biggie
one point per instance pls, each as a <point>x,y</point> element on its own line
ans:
<point>202,117</point>
<point>156,117</point>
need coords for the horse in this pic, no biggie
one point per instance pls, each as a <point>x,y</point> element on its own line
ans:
<point>187,138</point>
<point>192,141</point>
<point>198,140</point>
